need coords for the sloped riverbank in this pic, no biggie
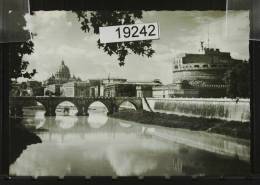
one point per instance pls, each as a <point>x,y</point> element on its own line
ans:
<point>20,138</point>
<point>228,128</point>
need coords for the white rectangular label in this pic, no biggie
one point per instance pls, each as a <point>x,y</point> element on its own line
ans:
<point>133,32</point>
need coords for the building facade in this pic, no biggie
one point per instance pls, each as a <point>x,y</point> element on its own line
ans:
<point>56,81</point>
<point>89,88</point>
<point>130,89</point>
<point>201,75</point>
<point>52,90</point>
<point>61,76</point>
<point>76,89</point>
<point>174,90</point>
<point>97,86</point>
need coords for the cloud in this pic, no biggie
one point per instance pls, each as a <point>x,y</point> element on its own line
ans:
<point>59,37</point>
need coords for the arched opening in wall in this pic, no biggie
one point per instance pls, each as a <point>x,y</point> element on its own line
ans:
<point>97,107</point>
<point>66,108</point>
<point>33,114</point>
<point>97,114</point>
<point>33,109</point>
<point>127,106</point>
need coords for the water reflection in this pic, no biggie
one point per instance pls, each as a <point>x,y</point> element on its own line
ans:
<point>66,122</point>
<point>99,145</point>
<point>34,119</point>
<point>125,125</point>
<point>97,115</point>
<point>96,120</point>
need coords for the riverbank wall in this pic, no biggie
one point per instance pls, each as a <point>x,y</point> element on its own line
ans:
<point>217,108</point>
<point>219,144</point>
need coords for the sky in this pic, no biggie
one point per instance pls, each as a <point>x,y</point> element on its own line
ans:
<point>59,37</point>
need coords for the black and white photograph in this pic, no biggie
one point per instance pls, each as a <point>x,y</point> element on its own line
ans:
<point>131,93</point>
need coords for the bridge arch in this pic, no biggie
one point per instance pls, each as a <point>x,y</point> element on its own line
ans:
<point>17,108</point>
<point>120,104</point>
<point>99,104</point>
<point>106,102</point>
<point>57,104</point>
<point>42,103</point>
<point>81,103</point>
<point>40,109</point>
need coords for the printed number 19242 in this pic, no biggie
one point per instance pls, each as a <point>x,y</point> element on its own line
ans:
<point>134,31</point>
<point>124,33</point>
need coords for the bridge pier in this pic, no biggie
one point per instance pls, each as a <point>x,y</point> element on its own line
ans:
<point>85,110</point>
<point>86,113</point>
<point>112,109</point>
<point>79,114</point>
<point>16,111</point>
<point>19,111</point>
<point>12,111</point>
<point>50,112</point>
<point>109,113</point>
<point>47,113</point>
<point>80,111</point>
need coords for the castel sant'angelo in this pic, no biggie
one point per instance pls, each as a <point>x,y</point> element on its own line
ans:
<point>203,72</point>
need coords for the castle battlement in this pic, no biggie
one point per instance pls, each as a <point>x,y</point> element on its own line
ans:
<point>203,70</point>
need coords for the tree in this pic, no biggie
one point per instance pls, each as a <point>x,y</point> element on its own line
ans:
<point>111,18</point>
<point>18,39</point>
<point>18,66</point>
<point>237,80</point>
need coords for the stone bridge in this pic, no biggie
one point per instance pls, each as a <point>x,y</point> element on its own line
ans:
<point>50,104</point>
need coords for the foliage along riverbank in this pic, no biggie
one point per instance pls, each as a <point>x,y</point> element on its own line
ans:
<point>228,128</point>
<point>20,138</point>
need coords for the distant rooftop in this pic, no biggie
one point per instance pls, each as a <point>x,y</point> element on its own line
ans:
<point>137,83</point>
<point>111,78</point>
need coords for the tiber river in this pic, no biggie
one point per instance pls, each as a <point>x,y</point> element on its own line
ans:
<point>98,145</point>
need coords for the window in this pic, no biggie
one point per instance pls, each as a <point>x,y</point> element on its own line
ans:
<point>197,66</point>
<point>205,65</point>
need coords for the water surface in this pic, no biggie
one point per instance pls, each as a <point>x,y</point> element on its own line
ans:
<point>98,145</point>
